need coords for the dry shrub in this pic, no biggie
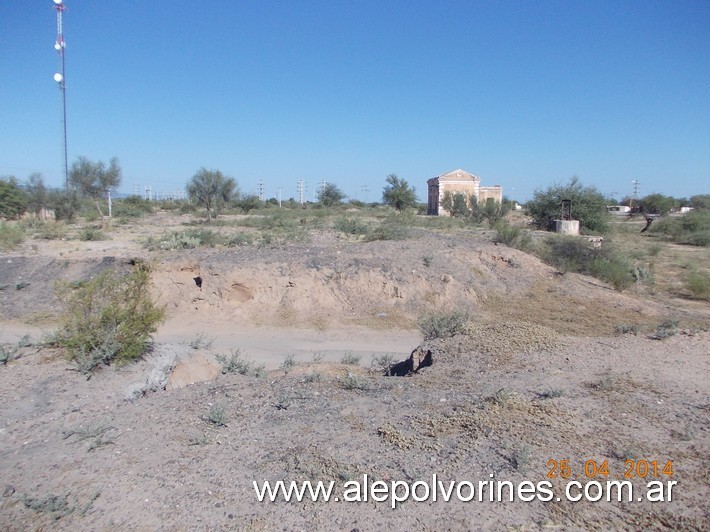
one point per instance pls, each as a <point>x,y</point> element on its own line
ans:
<point>109,318</point>
<point>444,324</point>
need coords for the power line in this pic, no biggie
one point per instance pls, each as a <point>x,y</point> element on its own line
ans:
<point>365,189</point>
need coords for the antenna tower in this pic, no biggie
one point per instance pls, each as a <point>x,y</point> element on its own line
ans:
<point>261,190</point>
<point>60,78</point>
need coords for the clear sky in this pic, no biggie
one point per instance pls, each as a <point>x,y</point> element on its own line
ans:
<point>521,93</point>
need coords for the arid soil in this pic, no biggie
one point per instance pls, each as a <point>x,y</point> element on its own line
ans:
<point>540,373</point>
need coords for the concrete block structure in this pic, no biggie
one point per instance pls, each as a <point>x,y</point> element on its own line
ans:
<point>459,181</point>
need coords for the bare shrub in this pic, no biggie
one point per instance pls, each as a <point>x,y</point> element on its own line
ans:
<point>353,382</point>
<point>234,363</point>
<point>382,363</point>
<point>351,359</point>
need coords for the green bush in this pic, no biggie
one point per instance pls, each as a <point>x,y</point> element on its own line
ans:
<point>699,285</point>
<point>190,239</point>
<point>279,220</point>
<point>217,416</point>
<point>588,206</point>
<point>66,205</point>
<point>692,228</point>
<point>512,236</point>
<point>573,254</point>
<point>109,318</point>
<point>11,235</point>
<point>699,238</point>
<point>351,226</point>
<point>443,325</point>
<point>614,270</point>
<point>393,227</point>
<point>240,239</point>
<point>187,208</point>
<point>132,207</point>
<point>48,230</point>
<point>92,234</point>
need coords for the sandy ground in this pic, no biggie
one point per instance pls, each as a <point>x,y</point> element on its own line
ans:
<point>538,375</point>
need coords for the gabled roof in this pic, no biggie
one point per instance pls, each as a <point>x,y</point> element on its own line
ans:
<point>458,175</point>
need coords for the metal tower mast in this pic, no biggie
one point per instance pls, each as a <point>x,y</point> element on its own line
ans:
<point>635,196</point>
<point>60,78</point>
<point>301,191</point>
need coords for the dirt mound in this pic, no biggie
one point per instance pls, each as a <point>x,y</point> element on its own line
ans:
<point>386,285</point>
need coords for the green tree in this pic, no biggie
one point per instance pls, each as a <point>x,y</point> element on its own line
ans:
<point>658,204</point>
<point>700,201</point>
<point>493,210</point>
<point>94,179</point>
<point>588,205</point>
<point>330,195</point>
<point>248,203</point>
<point>212,190</point>
<point>456,204</point>
<point>65,204</point>
<point>398,193</point>
<point>13,202</point>
<point>36,194</point>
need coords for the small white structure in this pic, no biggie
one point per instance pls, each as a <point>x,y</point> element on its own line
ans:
<point>567,227</point>
<point>619,210</point>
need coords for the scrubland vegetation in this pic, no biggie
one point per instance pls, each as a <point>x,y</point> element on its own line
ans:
<point>102,310</point>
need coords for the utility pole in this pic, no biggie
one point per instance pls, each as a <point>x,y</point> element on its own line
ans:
<point>365,190</point>
<point>60,78</point>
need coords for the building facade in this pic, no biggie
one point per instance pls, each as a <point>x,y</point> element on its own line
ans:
<point>459,182</point>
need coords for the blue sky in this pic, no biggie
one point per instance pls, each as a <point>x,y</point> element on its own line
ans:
<point>521,93</point>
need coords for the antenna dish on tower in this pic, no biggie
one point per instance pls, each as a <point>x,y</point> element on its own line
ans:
<point>58,2</point>
<point>58,77</point>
